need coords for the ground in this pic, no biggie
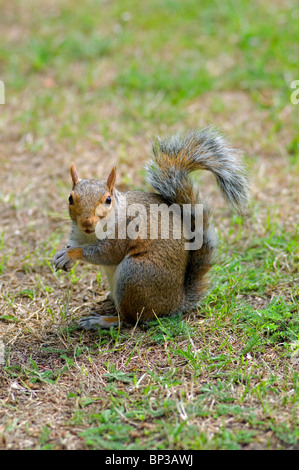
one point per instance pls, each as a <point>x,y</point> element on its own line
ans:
<point>93,82</point>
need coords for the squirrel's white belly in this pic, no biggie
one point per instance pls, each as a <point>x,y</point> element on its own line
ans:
<point>109,272</point>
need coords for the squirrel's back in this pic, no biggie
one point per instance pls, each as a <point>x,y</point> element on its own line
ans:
<point>168,172</point>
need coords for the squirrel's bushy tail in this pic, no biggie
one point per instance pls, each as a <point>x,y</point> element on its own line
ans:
<point>175,157</point>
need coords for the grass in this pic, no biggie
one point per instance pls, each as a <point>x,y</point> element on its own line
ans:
<point>93,82</point>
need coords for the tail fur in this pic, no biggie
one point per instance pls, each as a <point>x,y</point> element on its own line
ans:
<point>174,158</point>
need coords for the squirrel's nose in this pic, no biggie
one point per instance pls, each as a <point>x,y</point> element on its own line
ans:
<point>87,223</point>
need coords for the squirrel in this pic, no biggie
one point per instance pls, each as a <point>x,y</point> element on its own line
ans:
<point>151,275</point>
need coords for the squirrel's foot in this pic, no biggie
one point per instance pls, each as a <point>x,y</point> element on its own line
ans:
<point>61,260</point>
<point>95,321</point>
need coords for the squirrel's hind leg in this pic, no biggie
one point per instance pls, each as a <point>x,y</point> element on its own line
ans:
<point>104,317</point>
<point>95,321</point>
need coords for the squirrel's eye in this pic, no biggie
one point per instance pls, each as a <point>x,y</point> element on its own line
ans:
<point>71,200</point>
<point>108,200</point>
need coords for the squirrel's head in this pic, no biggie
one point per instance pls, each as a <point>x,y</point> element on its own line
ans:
<point>91,200</point>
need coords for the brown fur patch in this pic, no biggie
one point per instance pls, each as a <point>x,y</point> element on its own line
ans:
<point>110,319</point>
<point>75,253</point>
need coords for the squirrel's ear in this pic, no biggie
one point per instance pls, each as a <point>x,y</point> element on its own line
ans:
<point>74,175</point>
<point>111,180</point>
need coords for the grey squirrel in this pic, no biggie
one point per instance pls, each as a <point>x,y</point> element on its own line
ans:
<point>149,275</point>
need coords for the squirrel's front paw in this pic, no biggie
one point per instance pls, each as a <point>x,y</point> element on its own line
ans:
<point>62,261</point>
